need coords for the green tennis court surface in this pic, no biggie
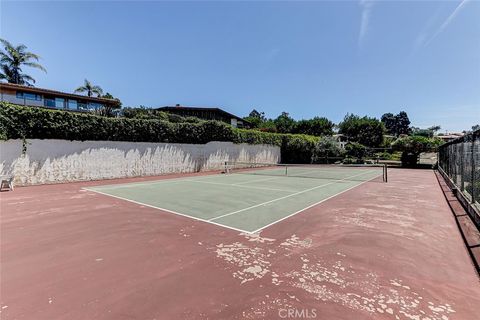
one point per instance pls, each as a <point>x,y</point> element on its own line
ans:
<point>249,201</point>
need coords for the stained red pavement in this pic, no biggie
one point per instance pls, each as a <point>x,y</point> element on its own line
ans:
<point>379,251</point>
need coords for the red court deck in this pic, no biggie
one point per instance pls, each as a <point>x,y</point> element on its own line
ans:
<point>380,251</point>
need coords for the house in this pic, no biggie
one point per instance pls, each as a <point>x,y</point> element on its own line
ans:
<point>207,114</point>
<point>45,98</point>
<point>447,137</point>
<point>341,140</point>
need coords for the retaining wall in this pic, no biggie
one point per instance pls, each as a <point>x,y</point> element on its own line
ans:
<point>55,161</point>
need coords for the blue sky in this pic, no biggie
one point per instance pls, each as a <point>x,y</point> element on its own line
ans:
<point>313,58</point>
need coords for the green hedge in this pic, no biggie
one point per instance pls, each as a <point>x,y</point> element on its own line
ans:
<point>19,122</point>
<point>257,137</point>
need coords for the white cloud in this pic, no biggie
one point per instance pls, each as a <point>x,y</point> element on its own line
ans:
<point>427,30</point>
<point>449,20</point>
<point>367,6</point>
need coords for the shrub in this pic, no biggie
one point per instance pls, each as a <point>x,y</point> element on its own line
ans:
<point>36,123</point>
<point>356,150</point>
<point>268,126</point>
<point>257,137</point>
<point>325,149</point>
<point>349,160</point>
<point>387,141</point>
<point>19,122</point>
<point>298,148</point>
<point>366,131</point>
<point>412,146</point>
<point>295,148</point>
<point>384,155</point>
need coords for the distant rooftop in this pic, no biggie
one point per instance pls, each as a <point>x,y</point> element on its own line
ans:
<point>187,109</point>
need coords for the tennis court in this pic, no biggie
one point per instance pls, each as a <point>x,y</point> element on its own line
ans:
<point>248,197</point>
<point>369,253</point>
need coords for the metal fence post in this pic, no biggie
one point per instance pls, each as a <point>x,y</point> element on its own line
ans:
<point>473,168</point>
<point>462,167</point>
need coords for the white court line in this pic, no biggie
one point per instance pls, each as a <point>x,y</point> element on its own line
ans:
<point>310,206</point>
<point>153,182</point>
<point>300,174</point>
<point>287,196</point>
<point>139,184</point>
<point>223,225</point>
<point>169,211</point>
<point>240,186</point>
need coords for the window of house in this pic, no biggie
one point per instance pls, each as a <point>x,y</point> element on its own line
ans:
<point>72,104</point>
<point>49,103</point>
<point>28,96</point>
<point>59,103</point>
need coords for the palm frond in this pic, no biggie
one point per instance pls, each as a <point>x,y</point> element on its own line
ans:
<point>6,43</point>
<point>6,70</point>
<point>81,89</point>
<point>31,56</point>
<point>21,48</point>
<point>13,58</point>
<point>35,65</point>
<point>97,89</point>
<point>27,77</point>
<point>5,59</point>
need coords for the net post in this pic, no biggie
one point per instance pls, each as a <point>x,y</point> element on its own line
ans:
<point>286,170</point>
<point>385,173</point>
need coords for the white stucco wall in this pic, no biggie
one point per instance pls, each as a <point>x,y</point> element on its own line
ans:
<point>53,161</point>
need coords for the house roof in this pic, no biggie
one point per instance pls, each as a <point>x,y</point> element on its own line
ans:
<point>456,134</point>
<point>57,93</point>
<point>212,109</point>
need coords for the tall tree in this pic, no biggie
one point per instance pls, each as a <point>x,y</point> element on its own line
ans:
<point>364,130</point>
<point>402,123</point>
<point>256,114</point>
<point>13,58</point>
<point>318,126</point>
<point>284,123</point>
<point>389,121</point>
<point>256,118</point>
<point>90,89</point>
<point>396,124</point>
<point>434,129</point>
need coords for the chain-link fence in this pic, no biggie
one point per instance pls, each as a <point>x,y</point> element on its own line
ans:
<point>459,162</point>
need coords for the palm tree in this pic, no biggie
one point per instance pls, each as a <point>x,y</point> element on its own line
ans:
<point>11,61</point>
<point>90,89</point>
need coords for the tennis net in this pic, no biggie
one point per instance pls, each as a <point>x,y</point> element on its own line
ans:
<point>354,172</point>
